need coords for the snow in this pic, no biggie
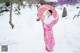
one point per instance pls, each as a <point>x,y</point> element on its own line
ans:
<point>51,0</point>
<point>27,35</point>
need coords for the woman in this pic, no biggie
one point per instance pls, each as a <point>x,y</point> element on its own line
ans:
<point>49,18</point>
<point>48,33</point>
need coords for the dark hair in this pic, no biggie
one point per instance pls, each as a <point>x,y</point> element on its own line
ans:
<point>50,11</point>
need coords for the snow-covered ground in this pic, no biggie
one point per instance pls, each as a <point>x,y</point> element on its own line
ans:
<point>27,35</point>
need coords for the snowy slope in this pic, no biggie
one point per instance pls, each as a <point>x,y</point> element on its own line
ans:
<point>27,35</point>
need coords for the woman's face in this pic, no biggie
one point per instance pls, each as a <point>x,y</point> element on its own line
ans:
<point>48,13</point>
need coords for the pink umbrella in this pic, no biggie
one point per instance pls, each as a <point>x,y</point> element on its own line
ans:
<point>45,7</point>
<point>48,32</point>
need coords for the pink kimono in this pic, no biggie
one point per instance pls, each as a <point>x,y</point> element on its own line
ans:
<point>48,32</point>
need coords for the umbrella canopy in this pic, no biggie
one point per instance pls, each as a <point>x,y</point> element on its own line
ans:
<point>44,8</point>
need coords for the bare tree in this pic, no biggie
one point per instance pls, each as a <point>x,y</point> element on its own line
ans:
<point>10,21</point>
<point>30,2</point>
<point>77,15</point>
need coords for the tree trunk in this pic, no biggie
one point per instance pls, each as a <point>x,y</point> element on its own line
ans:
<point>10,21</point>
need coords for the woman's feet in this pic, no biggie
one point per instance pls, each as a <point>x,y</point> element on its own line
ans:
<point>49,50</point>
<point>48,47</point>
